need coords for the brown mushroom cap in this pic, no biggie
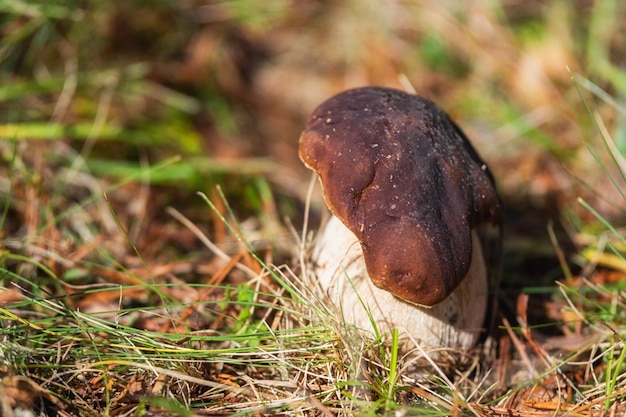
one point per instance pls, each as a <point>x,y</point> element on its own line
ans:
<point>404,178</point>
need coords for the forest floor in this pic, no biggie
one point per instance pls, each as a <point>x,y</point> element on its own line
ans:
<point>155,218</point>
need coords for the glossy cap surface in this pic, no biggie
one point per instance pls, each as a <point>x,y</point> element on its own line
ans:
<point>406,181</point>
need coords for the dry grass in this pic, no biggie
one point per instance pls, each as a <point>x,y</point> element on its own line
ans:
<point>125,291</point>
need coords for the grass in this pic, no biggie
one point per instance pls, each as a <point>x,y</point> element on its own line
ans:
<point>155,219</point>
<point>266,344</point>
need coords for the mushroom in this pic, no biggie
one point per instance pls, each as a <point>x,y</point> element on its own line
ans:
<point>409,196</point>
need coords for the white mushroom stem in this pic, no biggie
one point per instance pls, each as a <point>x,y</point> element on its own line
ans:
<point>456,322</point>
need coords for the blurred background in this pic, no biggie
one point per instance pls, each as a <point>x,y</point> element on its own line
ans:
<point>115,115</point>
<point>112,88</point>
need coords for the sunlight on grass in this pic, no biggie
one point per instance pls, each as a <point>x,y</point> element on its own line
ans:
<point>148,163</point>
<point>269,325</point>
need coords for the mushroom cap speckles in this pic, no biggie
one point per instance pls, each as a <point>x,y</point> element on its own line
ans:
<point>404,178</point>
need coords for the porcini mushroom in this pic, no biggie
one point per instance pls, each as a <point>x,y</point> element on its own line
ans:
<point>408,193</point>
